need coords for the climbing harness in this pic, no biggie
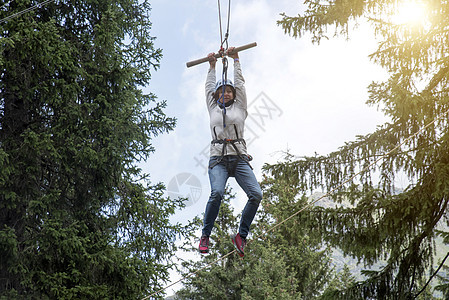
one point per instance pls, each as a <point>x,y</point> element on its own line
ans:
<point>224,142</point>
<point>245,157</point>
<point>220,100</point>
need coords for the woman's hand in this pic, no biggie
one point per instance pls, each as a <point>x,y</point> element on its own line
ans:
<point>230,54</point>
<point>212,60</point>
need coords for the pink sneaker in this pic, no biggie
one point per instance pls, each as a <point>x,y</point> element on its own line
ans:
<point>239,244</point>
<point>204,244</point>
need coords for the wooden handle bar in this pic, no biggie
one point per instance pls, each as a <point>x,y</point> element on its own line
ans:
<point>217,55</point>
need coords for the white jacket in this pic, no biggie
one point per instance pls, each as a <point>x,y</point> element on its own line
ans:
<point>235,116</point>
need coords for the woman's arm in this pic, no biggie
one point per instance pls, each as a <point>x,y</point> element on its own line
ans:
<point>210,82</point>
<point>239,81</point>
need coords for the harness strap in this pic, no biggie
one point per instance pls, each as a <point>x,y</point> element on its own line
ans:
<point>225,142</point>
<point>224,80</point>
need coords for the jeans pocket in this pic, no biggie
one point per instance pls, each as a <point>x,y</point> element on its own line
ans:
<point>213,161</point>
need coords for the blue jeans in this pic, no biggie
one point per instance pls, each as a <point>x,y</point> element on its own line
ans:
<point>231,166</point>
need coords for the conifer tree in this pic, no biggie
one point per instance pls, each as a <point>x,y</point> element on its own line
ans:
<point>381,223</point>
<point>307,259</point>
<point>78,218</point>
<point>343,280</point>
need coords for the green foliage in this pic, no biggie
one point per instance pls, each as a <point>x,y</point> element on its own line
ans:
<point>341,282</point>
<point>269,275</point>
<point>443,285</point>
<point>78,218</point>
<point>297,243</point>
<point>378,222</point>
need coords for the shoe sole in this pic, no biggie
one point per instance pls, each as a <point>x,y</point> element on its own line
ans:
<point>204,251</point>
<point>240,252</point>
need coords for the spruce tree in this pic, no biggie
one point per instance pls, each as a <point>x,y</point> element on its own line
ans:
<point>78,218</point>
<point>383,223</point>
<point>306,258</point>
<point>343,280</point>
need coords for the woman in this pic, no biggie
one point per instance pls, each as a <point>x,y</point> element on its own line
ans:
<point>227,106</point>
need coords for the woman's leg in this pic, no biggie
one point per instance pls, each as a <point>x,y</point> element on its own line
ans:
<point>218,176</point>
<point>247,180</point>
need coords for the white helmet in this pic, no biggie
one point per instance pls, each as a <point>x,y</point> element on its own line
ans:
<point>219,84</point>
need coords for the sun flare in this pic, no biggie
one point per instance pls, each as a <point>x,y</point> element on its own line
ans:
<point>410,12</point>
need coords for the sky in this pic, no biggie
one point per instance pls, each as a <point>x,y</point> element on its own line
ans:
<point>303,98</point>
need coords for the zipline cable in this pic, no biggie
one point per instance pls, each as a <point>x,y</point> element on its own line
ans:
<point>314,201</point>
<point>25,10</point>
<point>5,4</point>
<point>224,76</point>
<point>225,40</point>
<point>431,277</point>
<point>219,23</point>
